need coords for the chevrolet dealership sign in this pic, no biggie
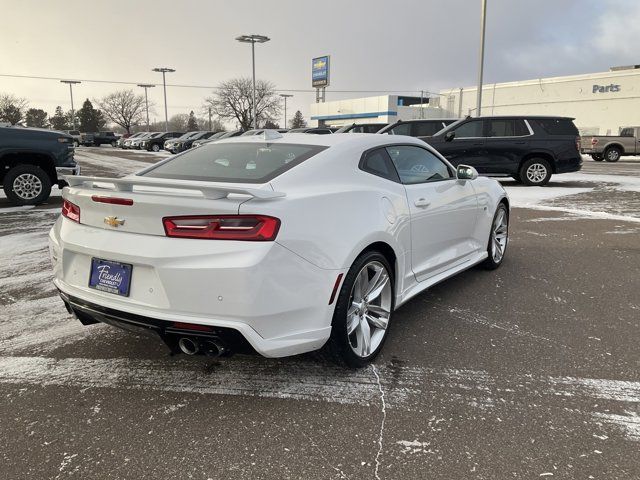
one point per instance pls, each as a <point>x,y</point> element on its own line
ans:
<point>320,71</point>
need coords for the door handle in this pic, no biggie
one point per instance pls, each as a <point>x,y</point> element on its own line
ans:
<point>422,203</point>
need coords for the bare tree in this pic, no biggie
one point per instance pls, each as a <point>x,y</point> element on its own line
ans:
<point>124,108</point>
<point>234,98</point>
<point>12,108</point>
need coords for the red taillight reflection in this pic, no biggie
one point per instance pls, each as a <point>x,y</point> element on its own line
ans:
<point>192,326</point>
<point>257,228</point>
<point>594,141</point>
<point>71,211</point>
<point>112,200</point>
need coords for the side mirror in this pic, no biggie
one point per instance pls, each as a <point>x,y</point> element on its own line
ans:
<point>465,172</point>
<point>449,136</point>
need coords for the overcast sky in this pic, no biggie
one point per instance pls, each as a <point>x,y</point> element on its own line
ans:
<point>393,45</point>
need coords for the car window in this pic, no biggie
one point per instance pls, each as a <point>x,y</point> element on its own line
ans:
<point>417,165</point>
<point>402,129</point>
<point>469,129</point>
<point>626,132</point>
<point>426,129</point>
<point>507,128</point>
<point>558,126</point>
<point>235,162</point>
<point>378,163</point>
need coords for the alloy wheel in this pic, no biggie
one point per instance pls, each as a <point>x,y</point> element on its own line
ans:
<point>27,186</point>
<point>613,155</point>
<point>536,172</point>
<point>369,309</point>
<point>499,235</point>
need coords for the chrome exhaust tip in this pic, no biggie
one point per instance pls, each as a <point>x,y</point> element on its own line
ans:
<point>212,348</point>
<point>188,346</point>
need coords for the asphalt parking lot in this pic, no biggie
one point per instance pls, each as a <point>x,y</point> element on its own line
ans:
<point>529,371</point>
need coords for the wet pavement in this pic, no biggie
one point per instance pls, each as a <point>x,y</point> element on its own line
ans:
<point>529,371</point>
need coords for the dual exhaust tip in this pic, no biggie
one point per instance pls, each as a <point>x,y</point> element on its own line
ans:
<point>209,347</point>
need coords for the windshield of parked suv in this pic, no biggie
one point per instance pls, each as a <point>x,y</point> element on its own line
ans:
<point>234,162</point>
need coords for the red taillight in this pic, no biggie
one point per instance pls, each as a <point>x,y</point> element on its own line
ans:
<point>112,200</point>
<point>71,211</point>
<point>223,227</point>
<point>594,141</point>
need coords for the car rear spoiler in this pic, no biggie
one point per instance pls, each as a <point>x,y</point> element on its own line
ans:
<point>209,190</point>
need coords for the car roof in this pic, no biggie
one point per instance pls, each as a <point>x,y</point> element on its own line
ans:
<point>366,140</point>
<point>419,120</point>
<point>557,117</point>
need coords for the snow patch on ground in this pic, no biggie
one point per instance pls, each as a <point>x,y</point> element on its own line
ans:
<point>555,196</point>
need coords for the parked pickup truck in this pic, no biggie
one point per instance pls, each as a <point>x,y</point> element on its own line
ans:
<point>612,147</point>
<point>32,160</point>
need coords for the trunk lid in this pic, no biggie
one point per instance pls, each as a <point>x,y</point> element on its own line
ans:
<point>152,199</point>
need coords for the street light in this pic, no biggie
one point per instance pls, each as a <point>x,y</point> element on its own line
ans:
<point>165,70</point>
<point>146,99</point>
<point>253,39</point>
<point>71,83</point>
<point>285,96</point>
<point>483,22</point>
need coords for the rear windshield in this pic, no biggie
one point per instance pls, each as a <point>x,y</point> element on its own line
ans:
<point>235,162</point>
<point>558,126</point>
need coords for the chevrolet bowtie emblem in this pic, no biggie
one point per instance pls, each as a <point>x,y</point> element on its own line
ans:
<point>113,221</point>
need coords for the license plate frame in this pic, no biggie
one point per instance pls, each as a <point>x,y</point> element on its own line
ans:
<point>110,276</point>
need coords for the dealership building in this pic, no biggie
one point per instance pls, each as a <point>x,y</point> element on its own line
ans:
<point>601,103</point>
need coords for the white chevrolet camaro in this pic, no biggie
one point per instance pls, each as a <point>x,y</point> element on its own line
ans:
<point>274,243</point>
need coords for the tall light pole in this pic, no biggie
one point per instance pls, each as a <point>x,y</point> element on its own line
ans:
<point>146,86</point>
<point>165,70</point>
<point>285,96</point>
<point>483,22</point>
<point>71,83</point>
<point>253,39</point>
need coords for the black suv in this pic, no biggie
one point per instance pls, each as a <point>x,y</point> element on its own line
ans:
<point>418,128</point>
<point>155,143</point>
<point>100,138</point>
<point>528,148</point>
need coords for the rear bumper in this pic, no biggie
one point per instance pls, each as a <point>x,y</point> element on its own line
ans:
<point>90,313</point>
<point>569,165</point>
<point>276,300</point>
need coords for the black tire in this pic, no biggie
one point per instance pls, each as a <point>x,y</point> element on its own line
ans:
<point>597,157</point>
<point>155,147</point>
<point>612,154</point>
<point>338,347</point>
<point>16,195</point>
<point>491,263</point>
<point>538,164</point>
<point>114,144</point>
